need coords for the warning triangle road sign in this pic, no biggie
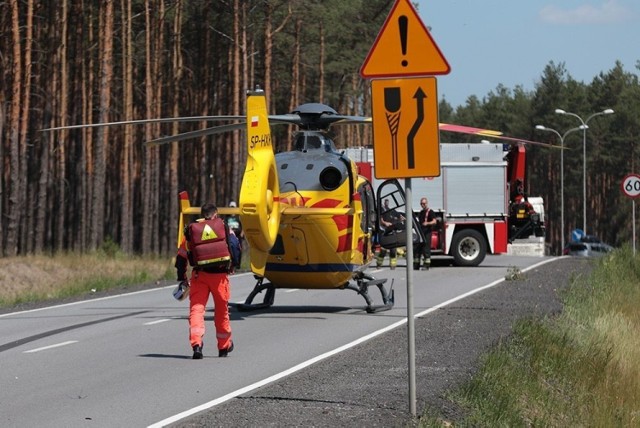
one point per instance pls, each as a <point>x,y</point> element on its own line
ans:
<point>404,47</point>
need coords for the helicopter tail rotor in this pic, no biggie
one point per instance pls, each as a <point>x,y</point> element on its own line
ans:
<point>260,192</point>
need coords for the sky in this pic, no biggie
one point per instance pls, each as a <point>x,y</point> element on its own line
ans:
<point>509,42</point>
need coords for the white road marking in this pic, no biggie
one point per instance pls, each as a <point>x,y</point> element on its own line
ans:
<point>321,357</point>
<point>158,321</point>
<point>44,348</point>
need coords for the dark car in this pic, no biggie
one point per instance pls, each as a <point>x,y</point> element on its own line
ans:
<point>587,249</point>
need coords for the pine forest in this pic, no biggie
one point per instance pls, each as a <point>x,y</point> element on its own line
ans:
<point>92,61</point>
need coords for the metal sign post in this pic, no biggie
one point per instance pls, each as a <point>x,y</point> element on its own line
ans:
<point>631,188</point>
<point>411,332</point>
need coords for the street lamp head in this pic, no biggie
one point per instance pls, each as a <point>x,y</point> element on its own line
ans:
<point>608,111</point>
<point>560,111</point>
<point>541,127</point>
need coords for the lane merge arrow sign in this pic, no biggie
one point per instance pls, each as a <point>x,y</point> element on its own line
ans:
<point>405,127</point>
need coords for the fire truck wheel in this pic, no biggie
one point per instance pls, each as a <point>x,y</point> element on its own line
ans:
<point>468,248</point>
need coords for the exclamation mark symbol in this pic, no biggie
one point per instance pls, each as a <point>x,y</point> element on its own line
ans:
<point>403,25</point>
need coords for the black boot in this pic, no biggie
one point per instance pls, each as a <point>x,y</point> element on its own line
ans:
<point>225,352</point>
<point>197,352</point>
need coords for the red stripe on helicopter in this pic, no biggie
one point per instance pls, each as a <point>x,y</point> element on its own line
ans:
<point>342,223</point>
<point>327,203</point>
<point>344,243</point>
<point>255,121</point>
<point>360,245</point>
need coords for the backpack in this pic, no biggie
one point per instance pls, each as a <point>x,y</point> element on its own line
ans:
<point>235,250</point>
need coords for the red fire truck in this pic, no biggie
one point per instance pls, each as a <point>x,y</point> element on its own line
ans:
<point>479,199</point>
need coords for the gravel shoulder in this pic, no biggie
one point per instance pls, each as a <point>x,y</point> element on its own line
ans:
<point>367,386</point>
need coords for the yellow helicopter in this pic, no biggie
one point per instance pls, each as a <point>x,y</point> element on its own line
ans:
<point>310,219</point>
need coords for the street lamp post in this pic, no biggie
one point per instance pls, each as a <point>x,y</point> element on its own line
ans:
<point>584,158</point>
<point>562,137</point>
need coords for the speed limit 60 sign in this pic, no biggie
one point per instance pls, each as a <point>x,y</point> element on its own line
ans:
<point>631,185</point>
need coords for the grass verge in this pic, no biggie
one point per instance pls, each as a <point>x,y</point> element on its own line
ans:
<point>579,369</point>
<point>32,279</point>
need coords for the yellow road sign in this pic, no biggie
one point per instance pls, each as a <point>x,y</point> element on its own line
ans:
<point>406,139</point>
<point>404,47</point>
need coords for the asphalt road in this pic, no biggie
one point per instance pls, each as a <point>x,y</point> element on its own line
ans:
<point>315,358</point>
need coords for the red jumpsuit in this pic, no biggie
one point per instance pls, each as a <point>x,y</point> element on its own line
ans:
<point>205,281</point>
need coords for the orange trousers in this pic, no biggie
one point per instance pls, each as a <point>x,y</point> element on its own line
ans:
<point>203,283</point>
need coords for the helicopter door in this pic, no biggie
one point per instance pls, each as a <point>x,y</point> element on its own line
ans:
<point>391,224</point>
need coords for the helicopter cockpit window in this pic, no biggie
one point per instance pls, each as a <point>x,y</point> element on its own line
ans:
<point>313,142</point>
<point>308,142</point>
<point>369,218</point>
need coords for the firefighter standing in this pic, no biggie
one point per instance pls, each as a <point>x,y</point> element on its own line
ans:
<point>206,247</point>
<point>390,220</point>
<point>427,220</point>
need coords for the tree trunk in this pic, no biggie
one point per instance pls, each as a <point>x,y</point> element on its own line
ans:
<point>321,66</point>
<point>295,77</point>
<point>84,168</point>
<point>239,49</point>
<point>269,34</point>
<point>153,87</point>
<point>99,156</point>
<point>25,238</point>
<point>126,214</point>
<point>43,182</point>
<point>15,197</point>
<point>60,218</point>
<point>170,219</point>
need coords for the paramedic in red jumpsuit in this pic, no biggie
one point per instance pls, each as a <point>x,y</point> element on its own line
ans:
<point>206,248</point>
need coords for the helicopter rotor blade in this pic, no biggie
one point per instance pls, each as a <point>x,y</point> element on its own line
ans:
<point>354,120</point>
<point>145,121</point>
<point>195,134</point>
<point>461,129</point>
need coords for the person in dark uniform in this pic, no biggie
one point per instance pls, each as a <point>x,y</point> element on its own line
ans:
<point>390,220</point>
<point>426,219</point>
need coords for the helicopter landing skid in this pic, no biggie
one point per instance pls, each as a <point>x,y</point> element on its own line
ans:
<point>362,288</point>
<point>267,302</point>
